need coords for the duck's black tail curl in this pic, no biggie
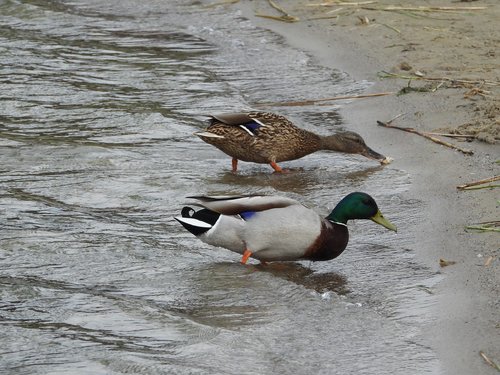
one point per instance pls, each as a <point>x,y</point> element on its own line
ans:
<point>197,222</point>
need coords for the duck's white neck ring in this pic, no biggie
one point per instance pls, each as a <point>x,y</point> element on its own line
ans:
<point>335,222</point>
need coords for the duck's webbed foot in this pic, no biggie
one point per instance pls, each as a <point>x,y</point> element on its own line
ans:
<point>276,167</point>
<point>246,254</point>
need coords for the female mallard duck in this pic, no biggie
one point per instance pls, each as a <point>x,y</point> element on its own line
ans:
<point>273,228</point>
<point>268,138</point>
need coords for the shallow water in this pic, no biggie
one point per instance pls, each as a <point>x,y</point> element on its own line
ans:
<point>98,103</point>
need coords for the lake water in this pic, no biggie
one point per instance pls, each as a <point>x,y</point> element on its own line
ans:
<point>98,104</point>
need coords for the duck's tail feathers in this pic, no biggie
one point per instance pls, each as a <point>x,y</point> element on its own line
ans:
<point>197,222</point>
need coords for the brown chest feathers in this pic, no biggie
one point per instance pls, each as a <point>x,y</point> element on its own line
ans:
<point>331,242</point>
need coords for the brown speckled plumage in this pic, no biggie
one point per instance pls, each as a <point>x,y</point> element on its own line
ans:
<point>276,141</point>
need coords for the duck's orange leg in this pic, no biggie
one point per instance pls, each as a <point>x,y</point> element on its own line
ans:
<point>246,254</point>
<point>234,164</point>
<point>276,167</point>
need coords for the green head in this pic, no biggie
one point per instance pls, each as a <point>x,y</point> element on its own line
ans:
<point>358,206</point>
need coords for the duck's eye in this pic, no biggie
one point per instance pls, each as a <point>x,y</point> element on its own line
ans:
<point>355,139</point>
<point>366,201</point>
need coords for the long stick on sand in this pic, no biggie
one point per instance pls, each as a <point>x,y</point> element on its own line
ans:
<point>478,182</point>
<point>422,134</point>
<point>314,101</point>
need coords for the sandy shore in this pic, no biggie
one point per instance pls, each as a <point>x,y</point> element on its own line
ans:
<point>460,47</point>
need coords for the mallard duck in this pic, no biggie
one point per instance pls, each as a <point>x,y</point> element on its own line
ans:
<point>269,138</point>
<point>274,228</point>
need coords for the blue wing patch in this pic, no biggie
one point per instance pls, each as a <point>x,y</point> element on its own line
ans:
<point>251,127</point>
<point>245,215</point>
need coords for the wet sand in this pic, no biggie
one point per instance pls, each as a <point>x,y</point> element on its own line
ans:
<point>457,45</point>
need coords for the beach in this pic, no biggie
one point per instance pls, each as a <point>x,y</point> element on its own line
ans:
<point>101,101</point>
<point>453,46</point>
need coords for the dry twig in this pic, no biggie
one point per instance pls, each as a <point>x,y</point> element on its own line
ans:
<point>314,101</point>
<point>337,3</point>
<point>477,91</point>
<point>390,27</point>
<point>487,226</point>
<point>489,361</point>
<point>422,134</point>
<point>285,17</point>
<point>482,187</point>
<point>464,136</point>
<point>489,261</point>
<point>393,8</point>
<point>222,2</point>
<point>445,263</point>
<point>384,74</point>
<point>478,182</point>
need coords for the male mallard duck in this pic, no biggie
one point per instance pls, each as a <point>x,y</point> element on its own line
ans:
<point>273,228</point>
<point>268,138</point>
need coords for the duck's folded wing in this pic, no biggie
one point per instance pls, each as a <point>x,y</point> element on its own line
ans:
<point>234,205</point>
<point>236,118</point>
<point>243,120</point>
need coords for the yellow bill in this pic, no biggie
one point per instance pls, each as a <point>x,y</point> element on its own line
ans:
<point>380,219</point>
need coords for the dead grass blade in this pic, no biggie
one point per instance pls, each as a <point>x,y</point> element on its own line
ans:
<point>482,187</point>
<point>458,9</point>
<point>463,136</point>
<point>278,18</point>
<point>489,261</point>
<point>489,361</point>
<point>458,81</point>
<point>285,17</point>
<point>478,182</point>
<point>390,27</point>
<point>491,226</point>
<point>222,2</point>
<point>341,3</point>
